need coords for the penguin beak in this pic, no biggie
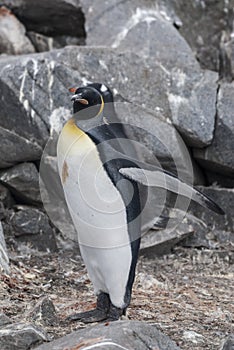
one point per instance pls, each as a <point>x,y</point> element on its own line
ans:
<point>78,98</point>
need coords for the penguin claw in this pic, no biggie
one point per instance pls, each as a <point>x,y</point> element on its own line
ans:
<point>91,316</point>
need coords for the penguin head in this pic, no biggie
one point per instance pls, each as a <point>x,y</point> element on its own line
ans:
<point>88,105</point>
<point>88,102</point>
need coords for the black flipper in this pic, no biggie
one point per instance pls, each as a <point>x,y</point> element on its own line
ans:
<point>158,178</point>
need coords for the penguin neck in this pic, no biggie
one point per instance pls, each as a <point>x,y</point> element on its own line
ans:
<point>87,124</point>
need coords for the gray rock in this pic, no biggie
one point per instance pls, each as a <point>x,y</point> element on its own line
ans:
<point>5,197</point>
<point>202,24</point>
<point>224,197</point>
<point>193,113</point>
<point>128,334</point>
<point>4,320</point>
<point>135,29</point>
<point>20,336</point>
<point>4,260</point>
<point>41,42</point>
<point>35,91</point>
<point>210,230</point>
<point>44,312</point>
<point>229,343</point>
<point>205,237</point>
<point>60,17</point>
<point>16,148</point>
<point>31,225</point>
<point>47,43</point>
<point>158,243</point>
<point>231,55</point>
<point>13,39</point>
<point>191,93</point>
<point>23,181</point>
<point>219,156</point>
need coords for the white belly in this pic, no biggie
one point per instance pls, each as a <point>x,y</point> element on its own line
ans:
<point>98,213</point>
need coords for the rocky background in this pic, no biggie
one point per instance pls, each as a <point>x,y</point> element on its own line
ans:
<point>173,60</point>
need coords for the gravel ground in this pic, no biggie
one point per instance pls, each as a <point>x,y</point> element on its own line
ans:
<point>188,294</point>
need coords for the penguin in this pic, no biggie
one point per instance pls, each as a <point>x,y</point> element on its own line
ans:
<point>101,185</point>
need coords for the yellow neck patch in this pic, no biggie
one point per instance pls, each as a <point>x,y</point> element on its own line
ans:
<point>102,106</point>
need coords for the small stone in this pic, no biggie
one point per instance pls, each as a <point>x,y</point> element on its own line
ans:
<point>41,42</point>
<point>44,312</point>
<point>193,337</point>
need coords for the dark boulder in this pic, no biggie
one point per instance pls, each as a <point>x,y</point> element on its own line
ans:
<point>23,181</point>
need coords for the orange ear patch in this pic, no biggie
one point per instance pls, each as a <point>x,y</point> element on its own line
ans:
<point>73,89</point>
<point>83,101</point>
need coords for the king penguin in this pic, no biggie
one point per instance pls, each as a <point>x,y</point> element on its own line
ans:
<point>101,185</point>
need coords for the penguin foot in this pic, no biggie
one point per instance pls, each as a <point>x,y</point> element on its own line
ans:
<point>115,313</point>
<point>91,316</point>
<point>96,315</point>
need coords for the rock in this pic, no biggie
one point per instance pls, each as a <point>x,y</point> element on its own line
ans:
<point>5,197</point>
<point>13,39</point>
<point>4,260</point>
<point>44,312</point>
<point>219,157</point>
<point>193,114</point>
<point>4,320</point>
<point>135,30</point>
<point>60,17</point>
<point>229,343</point>
<point>202,23</point>
<point>41,42</point>
<point>35,91</point>
<point>187,85</point>
<point>231,55</point>
<point>127,334</point>
<point>211,230</point>
<point>220,180</point>
<point>20,336</point>
<point>23,181</point>
<point>31,225</point>
<point>224,197</point>
<point>226,69</point>
<point>158,243</point>
<point>45,43</point>
<point>16,148</point>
